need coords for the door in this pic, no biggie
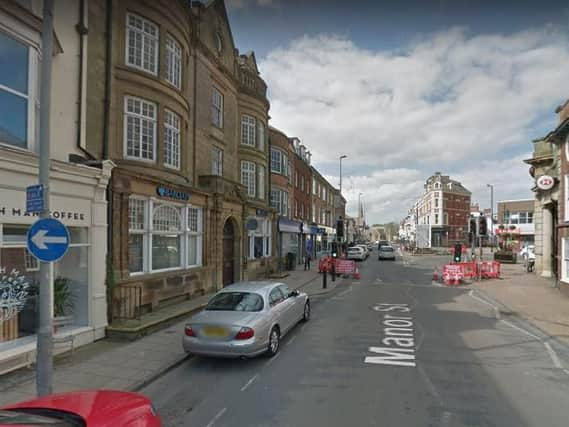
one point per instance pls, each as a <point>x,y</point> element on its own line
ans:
<point>289,307</point>
<point>228,253</point>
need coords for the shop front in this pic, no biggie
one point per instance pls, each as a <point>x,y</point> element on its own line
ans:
<point>78,200</point>
<point>290,242</point>
<point>259,244</point>
<point>159,251</point>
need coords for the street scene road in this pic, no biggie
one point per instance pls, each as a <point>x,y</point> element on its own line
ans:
<point>452,363</point>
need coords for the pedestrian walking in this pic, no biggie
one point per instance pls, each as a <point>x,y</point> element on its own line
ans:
<point>307,262</point>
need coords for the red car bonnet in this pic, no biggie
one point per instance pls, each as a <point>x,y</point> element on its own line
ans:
<point>100,408</point>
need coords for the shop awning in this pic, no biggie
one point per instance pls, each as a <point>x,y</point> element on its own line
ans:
<point>289,226</point>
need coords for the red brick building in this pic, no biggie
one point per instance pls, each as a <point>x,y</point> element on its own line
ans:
<point>445,206</point>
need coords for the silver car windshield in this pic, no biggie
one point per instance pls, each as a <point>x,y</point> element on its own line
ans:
<point>236,301</point>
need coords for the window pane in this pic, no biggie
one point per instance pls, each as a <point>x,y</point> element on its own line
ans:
<point>135,253</point>
<point>193,217</point>
<point>13,64</point>
<point>15,234</point>
<point>13,119</point>
<point>165,251</point>
<point>78,235</point>
<point>136,213</point>
<point>258,247</point>
<point>192,250</point>
<point>166,218</point>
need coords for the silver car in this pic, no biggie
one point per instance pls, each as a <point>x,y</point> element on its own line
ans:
<point>386,252</point>
<point>245,320</point>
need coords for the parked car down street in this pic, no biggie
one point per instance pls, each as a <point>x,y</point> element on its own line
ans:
<point>386,252</point>
<point>356,253</point>
<point>246,319</point>
<point>93,408</point>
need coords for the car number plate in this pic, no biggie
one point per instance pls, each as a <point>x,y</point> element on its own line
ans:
<point>215,332</point>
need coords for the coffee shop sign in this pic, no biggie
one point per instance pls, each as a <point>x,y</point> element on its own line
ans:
<point>545,182</point>
<point>63,215</point>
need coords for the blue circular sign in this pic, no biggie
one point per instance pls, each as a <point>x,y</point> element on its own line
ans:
<point>48,239</point>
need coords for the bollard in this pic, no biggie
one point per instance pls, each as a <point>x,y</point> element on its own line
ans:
<point>333,271</point>
<point>324,278</point>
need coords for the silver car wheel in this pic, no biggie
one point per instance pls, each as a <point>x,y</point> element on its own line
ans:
<point>306,315</point>
<point>274,342</point>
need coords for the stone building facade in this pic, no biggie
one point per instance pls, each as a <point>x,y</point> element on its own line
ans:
<point>550,162</point>
<point>546,161</point>
<point>166,92</point>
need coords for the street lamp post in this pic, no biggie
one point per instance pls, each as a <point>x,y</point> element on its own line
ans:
<point>341,157</point>
<point>360,215</point>
<point>491,186</point>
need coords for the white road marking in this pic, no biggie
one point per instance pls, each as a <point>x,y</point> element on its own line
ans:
<point>217,417</point>
<point>291,339</point>
<point>445,417</point>
<point>272,359</point>
<point>248,383</point>
<point>553,355</point>
<point>529,334</point>
<point>496,310</point>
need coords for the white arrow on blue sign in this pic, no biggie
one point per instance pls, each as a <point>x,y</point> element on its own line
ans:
<point>48,239</point>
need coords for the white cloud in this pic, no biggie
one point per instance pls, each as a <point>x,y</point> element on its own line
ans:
<point>448,101</point>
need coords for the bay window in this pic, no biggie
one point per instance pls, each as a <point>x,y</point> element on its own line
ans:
<point>141,43</point>
<point>173,62</point>
<point>163,236</point>
<point>139,129</point>
<point>248,130</point>
<point>261,136</point>
<point>280,201</point>
<point>261,182</point>
<point>248,177</point>
<point>276,161</point>
<point>171,140</point>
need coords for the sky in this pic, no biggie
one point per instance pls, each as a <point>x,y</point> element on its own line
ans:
<point>409,88</point>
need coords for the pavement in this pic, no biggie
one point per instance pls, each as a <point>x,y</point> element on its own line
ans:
<point>392,348</point>
<point>531,297</point>
<point>120,365</point>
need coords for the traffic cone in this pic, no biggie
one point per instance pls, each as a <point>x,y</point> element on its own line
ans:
<point>436,275</point>
<point>357,273</point>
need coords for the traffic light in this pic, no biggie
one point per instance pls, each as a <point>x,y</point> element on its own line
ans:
<point>457,252</point>
<point>482,226</point>
<point>473,227</point>
<point>334,250</point>
<point>339,229</point>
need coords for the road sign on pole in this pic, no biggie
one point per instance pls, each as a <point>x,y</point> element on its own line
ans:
<point>34,199</point>
<point>44,357</point>
<point>48,239</point>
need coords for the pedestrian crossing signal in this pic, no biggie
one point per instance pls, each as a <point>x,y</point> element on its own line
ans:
<point>457,252</point>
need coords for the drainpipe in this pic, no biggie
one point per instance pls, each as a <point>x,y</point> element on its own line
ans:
<point>105,150</point>
<point>108,69</point>
<point>82,29</point>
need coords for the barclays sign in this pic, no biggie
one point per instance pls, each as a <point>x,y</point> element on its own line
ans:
<point>172,194</point>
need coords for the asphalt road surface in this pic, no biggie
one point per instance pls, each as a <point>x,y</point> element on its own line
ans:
<point>390,349</point>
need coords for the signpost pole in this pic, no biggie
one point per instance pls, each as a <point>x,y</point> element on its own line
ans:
<point>44,358</point>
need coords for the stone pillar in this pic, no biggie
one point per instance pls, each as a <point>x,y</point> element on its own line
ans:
<point>547,231</point>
